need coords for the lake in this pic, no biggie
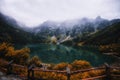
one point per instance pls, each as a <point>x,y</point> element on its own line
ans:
<point>51,53</point>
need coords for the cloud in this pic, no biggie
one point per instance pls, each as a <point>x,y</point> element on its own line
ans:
<point>34,12</point>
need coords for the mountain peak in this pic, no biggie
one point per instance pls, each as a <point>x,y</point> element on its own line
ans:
<point>98,18</point>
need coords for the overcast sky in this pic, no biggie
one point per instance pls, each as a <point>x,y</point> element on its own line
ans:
<point>34,12</point>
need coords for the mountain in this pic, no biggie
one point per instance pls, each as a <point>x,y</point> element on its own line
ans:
<point>15,24</point>
<point>78,27</point>
<point>105,35</point>
<point>11,32</point>
<point>108,35</point>
<point>107,39</point>
<point>84,29</point>
<point>78,30</point>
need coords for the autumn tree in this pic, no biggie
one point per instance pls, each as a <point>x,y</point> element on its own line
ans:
<point>61,66</point>
<point>22,55</point>
<point>10,54</point>
<point>4,48</point>
<point>19,56</point>
<point>80,64</point>
<point>35,60</point>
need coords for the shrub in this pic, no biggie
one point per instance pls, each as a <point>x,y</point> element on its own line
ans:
<point>4,48</point>
<point>60,66</point>
<point>80,64</point>
<point>34,60</point>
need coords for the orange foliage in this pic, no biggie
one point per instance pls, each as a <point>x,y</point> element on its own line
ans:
<point>50,76</point>
<point>22,55</point>
<point>9,53</point>
<point>80,64</point>
<point>61,66</point>
<point>35,60</point>
<point>3,49</point>
<point>110,48</point>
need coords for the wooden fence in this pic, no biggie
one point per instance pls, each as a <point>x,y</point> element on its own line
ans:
<point>9,66</point>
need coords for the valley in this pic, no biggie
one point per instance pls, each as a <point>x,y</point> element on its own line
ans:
<point>95,32</point>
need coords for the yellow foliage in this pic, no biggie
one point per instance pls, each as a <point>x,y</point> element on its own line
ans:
<point>19,56</point>
<point>88,74</point>
<point>35,60</point>
<point>61,66</point>
<point>96,73</point>
<point>4,46</point>
<point>110,48</point>
<point>22,55</point>
<point>3,49</point>
<point>80,64</point>
<point>50,76</point>
<point>10,52</point>
<point>20,71</point>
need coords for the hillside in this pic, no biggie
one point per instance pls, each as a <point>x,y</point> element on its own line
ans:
<point>105,36</point>
<point>13,34</point>
<point>78,27</point>
<point>107,39</point>
<point>90,31</point>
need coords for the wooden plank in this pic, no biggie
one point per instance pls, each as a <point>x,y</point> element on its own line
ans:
<point>115,68</point>
<point>57,71</point>
<point>115,75</point>
<point>97,77</point>
<point>16,65</point>
<point>3,69</point>
<point>86,70</point>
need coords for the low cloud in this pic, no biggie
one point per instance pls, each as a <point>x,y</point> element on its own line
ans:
<point>34,12</point>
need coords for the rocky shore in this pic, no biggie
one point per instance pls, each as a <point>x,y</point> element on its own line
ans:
<point>8,77</point>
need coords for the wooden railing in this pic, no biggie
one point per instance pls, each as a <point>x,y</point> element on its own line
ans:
<point>31,71</point>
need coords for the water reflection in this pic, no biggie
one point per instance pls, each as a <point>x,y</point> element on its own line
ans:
<point>50,53</point>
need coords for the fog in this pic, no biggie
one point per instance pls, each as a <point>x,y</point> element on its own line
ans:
<point>34,12</point>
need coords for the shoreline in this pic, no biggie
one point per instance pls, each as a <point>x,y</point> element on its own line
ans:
<point>112,54</point>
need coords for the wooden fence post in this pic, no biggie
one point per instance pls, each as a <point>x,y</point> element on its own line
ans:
<point>9,67</point>
<point>30,70</point>
<point>28,75</point>
<point>107,72</point>
<point>68,73</point>
<point>33,74</point>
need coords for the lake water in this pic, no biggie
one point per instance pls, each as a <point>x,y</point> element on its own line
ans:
<point>51,53</point>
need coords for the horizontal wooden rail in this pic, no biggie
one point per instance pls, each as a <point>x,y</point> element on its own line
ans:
<point>86,70</point>
<point>115,67</point>
<point>57,71</point>
<point>97,77</point>
<point>115,75</point>
<point>3,69</point>
<point>16,65</point>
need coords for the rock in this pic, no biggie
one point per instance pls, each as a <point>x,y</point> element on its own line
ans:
<point>1,74</point>
<point>4,78</point>
<point>8,77</point>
